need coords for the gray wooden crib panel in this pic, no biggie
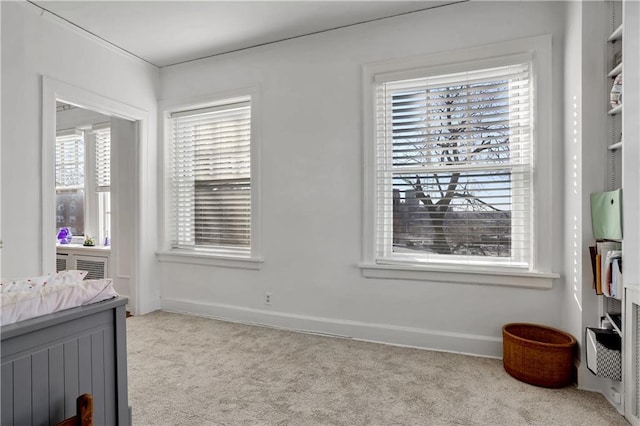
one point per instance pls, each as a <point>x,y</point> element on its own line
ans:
<point>110,407</point>
<point>84,365</point>
<point>51,379</point>
<point>56,383</point>
<point>40,386</point>
<point>46,369</point>
<point>6,395</point>
<point>44,338</point>
<point>70,377</point>
<point>97,376</point>
<point>22,391</point>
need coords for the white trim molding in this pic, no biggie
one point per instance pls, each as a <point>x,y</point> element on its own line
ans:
<point>206,259</point>
<point>458,275</point>
<point>485,346</point>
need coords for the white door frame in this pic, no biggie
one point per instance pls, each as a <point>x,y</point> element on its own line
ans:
<point>53,90</point>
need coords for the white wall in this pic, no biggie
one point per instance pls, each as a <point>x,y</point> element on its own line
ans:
<point>631,126</point>
<point>124,197</point>
<point>1,240</point>
<point>312,188</point>
<point>36,44</point>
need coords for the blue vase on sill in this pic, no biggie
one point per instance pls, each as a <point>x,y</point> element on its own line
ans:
<point>64,235</point>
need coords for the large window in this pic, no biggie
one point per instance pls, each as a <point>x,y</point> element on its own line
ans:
<point>454,165</point>
<point>460,164</point>
<point>210,178</point>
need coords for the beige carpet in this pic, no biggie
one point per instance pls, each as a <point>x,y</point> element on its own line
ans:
<point>194,371</point>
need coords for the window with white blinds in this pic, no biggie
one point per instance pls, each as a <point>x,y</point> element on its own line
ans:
<point>70,181</point>
<point>454,163</point>
<point>210,178</point>
<point>103,159</point>
<point>70,160</point>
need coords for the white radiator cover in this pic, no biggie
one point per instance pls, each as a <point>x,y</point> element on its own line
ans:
<point>96,263</point>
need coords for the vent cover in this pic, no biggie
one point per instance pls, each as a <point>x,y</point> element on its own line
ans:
<point>61,263</point>
<point>96,267</point>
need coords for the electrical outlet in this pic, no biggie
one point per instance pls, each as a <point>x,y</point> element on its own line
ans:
<point>267,298</point>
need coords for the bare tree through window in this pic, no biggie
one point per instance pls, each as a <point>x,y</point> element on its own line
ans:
<point>454,184</point>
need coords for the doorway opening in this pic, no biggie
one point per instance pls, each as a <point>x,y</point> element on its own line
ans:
<point>91,177</point>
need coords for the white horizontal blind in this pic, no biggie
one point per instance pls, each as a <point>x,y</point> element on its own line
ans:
<point>103,159</point>
<point>211,178</point>
<point>70,161</point>
<point>454,166</point>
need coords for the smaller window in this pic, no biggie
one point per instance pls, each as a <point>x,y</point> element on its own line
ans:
<point>103,180</point>
<point>103,159</point>
<point>210,178</point>
<point>70,175</point>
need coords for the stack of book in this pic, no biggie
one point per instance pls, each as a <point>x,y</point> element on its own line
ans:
<point>606,262</point>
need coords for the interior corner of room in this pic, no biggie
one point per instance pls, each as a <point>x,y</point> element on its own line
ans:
<point>90,132</point>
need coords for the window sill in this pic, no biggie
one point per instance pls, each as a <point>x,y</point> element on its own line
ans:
<point>209,259</point>
<point>82,247</point>
<point>508,278</point>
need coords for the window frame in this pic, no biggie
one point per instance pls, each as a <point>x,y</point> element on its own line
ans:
<point>538,274</point>
<point>205,255</point>
<point>93,211</point>
<point>86,167</point>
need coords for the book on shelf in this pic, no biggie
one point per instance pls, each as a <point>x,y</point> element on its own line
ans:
<point>592,255</point>
<point>606,263</point>
<point>607,276</point>
<point>616,277</point>
<point>598,274</point>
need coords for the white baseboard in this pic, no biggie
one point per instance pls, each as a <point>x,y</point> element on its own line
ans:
<point>484,346</point>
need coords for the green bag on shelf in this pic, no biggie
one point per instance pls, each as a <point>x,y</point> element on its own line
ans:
<point>606,215</point>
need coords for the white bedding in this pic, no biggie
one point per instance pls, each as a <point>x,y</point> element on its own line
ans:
<point>32,297</point>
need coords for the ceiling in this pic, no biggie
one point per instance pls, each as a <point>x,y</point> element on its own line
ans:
<point>169,32</point>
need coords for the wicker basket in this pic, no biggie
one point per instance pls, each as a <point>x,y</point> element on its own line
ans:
<point>539,355</point>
